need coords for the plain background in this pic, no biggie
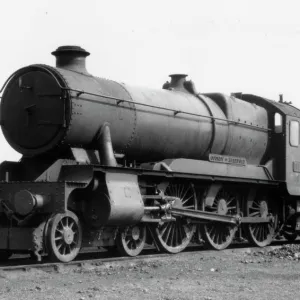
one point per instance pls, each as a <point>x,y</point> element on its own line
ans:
<point>224,46</point>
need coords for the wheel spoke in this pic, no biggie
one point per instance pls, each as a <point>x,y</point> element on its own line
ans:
<point>215,236</point>
<point>59,246</point>
<point>177,234</point>
<point>210,229</point>
<point>170,239</point>
<point>254,229</point>
<point>220,237</point>
<point>256,205</point>
<point>231,207</point>
<point>61,225</point>
<point>231,199</point>
<point>183,196</point>
<point>189,206</point>
<point>181,189</point>
<point>71,225</point>
<point>263,233</point>
<point>130,246</point>
<point>169,228</point>
<point>174,244</point>
<point>134,244</point>
<point>187,199</point>
<point>164,228</point>
<point>180,238</point>
<point>59,230</point>
<point>255,214</point>
<point>258,232</point>
<point>184,231</point>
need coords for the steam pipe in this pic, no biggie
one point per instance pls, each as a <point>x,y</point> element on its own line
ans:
<point>104,143</point>
<point>71,58</point>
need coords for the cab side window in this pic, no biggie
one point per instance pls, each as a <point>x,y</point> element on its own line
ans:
<point>278,123</point>
<point>294,133</point>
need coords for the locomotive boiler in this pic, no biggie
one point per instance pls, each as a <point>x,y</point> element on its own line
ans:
<point>106,164</point>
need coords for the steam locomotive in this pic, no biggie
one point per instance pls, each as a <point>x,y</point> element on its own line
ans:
<point>106,164</point>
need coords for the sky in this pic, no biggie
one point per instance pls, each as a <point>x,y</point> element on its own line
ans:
<point>224,46</point>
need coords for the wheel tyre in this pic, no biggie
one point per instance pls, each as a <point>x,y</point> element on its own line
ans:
<point>225,235</point>
<point>166,245</point>
<point>268,238</point>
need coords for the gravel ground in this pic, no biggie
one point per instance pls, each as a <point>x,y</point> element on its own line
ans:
<point>272,273</point>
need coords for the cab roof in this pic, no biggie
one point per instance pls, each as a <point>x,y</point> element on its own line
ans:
<point>275,106</point>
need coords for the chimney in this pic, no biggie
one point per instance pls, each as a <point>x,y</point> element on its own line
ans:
<point>71,58</point>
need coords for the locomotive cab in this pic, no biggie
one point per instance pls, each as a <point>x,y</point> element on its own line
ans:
<point>284,141</point>
<point>293,155</point>
<point>284,155</point>
<point>291,228</point>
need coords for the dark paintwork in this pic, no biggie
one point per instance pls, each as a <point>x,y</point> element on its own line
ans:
<point>42,110</point>
<point>280,150</point>
<point>292,156</point>
<point>73,127</point>
<point>285,109</point>
<point>55,191</point>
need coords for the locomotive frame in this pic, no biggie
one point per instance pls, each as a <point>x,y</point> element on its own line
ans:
<point>84,185</point>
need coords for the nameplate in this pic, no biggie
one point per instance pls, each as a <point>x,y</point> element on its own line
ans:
<point>228,159</point>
